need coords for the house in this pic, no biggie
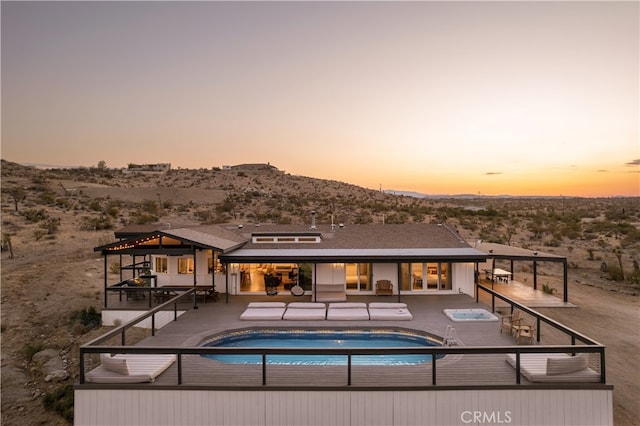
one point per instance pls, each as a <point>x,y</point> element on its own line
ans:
<point>329,262</point>
<point>490,379</point>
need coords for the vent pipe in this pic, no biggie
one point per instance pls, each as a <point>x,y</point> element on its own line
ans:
<point>313,219</point>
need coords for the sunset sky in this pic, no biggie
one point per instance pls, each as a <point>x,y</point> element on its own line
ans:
<point>521,98</point>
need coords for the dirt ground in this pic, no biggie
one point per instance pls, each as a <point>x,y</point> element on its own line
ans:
<point>48,279</point>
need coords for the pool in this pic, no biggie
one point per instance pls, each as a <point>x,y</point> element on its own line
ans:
<point>470,315</point>
<point>296,338</point>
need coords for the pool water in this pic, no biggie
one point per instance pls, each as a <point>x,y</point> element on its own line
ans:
<point>470,315</point>
<point>323,339</point>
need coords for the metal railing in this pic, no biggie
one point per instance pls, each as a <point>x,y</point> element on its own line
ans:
<point>590,346</point>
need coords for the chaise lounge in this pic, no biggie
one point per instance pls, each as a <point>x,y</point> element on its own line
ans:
<point>305,311</point>
<point>558,367</point>
<point>389,311</point>
<point>130,368</point>
<point>257,311</point>
<point>352,311</point>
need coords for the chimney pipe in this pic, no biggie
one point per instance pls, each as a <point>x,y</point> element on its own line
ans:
<point>313,219</point>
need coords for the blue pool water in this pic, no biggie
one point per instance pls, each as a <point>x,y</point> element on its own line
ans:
<point>323,339</point>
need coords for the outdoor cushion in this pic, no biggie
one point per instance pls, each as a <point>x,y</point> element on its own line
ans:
<point>142,368</point>
<point>534,368</point>
<point>258,314</point>
<point>266,305</point>
<point>307,305</point>
<point>117,365</point>
<point>395,312</point>
<point>564,365</point>
<point>389,305</point>
<point>347,305</point>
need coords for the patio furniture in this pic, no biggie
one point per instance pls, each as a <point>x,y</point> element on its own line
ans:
<point>384,288</point>
<point>305,311</point>
<point>130,368</point>
<point>557,367</point>
<point>389,311</point>
<point>258,311</point>
<point>524,333</point>
<point>507,322</point>
<point>352,311</point>
<point>271,284</point>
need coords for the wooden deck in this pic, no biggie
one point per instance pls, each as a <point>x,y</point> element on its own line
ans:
<point>209,319</point>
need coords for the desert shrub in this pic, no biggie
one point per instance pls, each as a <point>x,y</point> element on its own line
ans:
<point>142,218</point>
<point>30,349</point>
<point>38,234</point>
<point>50,225</point>
<point>554,242</point>
<point>615,273</point>
<point>114,268</point>
<point>35,215</point>
<point>60,400</point>
<point>89,317</point>
<point>548,289</point>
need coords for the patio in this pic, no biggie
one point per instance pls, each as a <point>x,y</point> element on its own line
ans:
<point>454,370</point>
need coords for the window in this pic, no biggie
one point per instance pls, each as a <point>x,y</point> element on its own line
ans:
<point>425,276</point>
<point>185,266</point>
<point>161,265</point>
<point>214,265</point>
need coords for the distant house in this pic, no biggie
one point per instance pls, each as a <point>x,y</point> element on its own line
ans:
<point>250,167</point>
<point>148,168</point>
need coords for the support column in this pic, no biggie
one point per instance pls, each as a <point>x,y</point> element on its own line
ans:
<point>565,283</point>
<point>105,280</point>
<point>535,275</point>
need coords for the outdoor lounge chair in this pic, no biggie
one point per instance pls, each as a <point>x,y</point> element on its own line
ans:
<point>557,367</point>
<point>389,311</point>
<point>507,322</point>
<point>352,311</point>
<point>384,288</point>
<point>130,368</point>
<point>257,311</point>
<point>305,311</point>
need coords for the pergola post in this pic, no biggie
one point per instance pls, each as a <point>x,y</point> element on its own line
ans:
<point>105,281</point>
<point>535,275</point>
<point>565,283</point>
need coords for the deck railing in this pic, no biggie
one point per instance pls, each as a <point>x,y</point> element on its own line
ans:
<point>97,346</point>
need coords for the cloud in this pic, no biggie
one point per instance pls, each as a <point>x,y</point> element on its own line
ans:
<point>603,171</point>
<point>633,163</point>
<point>493,173</point>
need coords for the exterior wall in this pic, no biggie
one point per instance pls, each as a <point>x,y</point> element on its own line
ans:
<point>463,278</point>
<point>202,274</point>
<point>581,407</point>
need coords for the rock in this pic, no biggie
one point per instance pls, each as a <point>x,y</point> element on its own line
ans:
<point>56,376</point>
<point>52,365</point>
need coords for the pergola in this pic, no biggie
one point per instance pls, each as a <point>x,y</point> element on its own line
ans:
<point>500,251</point>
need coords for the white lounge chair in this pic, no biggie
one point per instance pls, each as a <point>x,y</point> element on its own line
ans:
<point>130,368</point>
<point>305,311</point>
<point>556,367</point>
<point>389,311</point>
<point>257,311</point>
<point>352,311</point>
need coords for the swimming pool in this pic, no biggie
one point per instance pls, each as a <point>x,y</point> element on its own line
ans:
<point>470,315</point>
<point>294,338</point>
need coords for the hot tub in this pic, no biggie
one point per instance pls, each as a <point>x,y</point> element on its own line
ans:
<point>470,315</point>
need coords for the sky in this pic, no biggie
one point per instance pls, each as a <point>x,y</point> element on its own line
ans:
<point>491,98</point>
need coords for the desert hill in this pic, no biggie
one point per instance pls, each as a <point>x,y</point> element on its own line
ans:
<point>53,218</point>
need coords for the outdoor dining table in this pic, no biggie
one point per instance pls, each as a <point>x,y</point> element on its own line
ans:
<point>499,274</point>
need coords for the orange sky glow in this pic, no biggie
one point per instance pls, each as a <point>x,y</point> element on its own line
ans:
<point>491,98</point>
